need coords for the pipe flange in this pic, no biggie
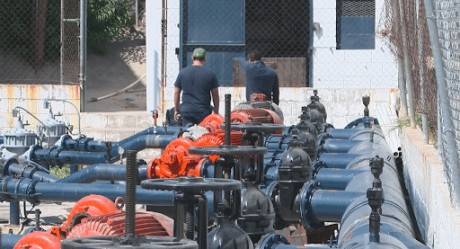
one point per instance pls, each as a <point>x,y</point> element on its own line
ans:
<point>322,138</point>
<point>7,164</point>
<point>5,195</point>
<point>31,192</point>
<point>270,240</point>
<point>228,150</point>
<point>191,184</point>
<point>354,123</point>
<point>255,127</point>
<point>306,194</point>
<point>317,165</point>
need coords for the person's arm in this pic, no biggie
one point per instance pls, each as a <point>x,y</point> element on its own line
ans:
<point>244,63</point>
<point>215,99</point>
<point>276,91</point>
<point>177,92</point>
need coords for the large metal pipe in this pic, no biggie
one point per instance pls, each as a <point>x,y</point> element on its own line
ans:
<point>336,178</point>
<point>89,145</point>
<point>57,156</point>
<point>32,171</point>
<point>36,192</point>
<point>104,172</point>
<point>10,240</point>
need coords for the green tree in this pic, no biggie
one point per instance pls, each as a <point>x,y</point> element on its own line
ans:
<point>106,19</point>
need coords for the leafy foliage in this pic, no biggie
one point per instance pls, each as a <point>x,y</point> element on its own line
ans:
<point>106,19</point>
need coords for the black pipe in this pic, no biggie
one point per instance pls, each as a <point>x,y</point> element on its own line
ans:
<point>57,156</point>
<point>140,143</point>
<point>103,172</point>
<point>36,192</point>
<point>12,168</point>
<point>89,145</point>
<point>227,118</point>
<point>9,241</point>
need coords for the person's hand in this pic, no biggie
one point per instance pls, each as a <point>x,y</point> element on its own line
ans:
<point>176,115</point>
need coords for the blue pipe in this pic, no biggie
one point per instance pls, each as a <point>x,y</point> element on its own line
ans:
<point>337,145</point>
<point>103,172</point>
<point>12,168</point>
<point>140,143</point>
<point>395,229</point>
<point>10,240</point>
<point>329,205</point>
<point>36,192</point>
<point>57,156</point>
<point>335,160</point>
<point>336,178</point>
<point>87,144</point>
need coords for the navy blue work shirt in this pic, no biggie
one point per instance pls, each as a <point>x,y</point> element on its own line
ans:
<point>260,78</point>
<point>196,83</point>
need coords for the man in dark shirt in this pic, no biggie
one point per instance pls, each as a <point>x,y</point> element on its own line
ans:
<point>198,84</point>
<point>260,78</point>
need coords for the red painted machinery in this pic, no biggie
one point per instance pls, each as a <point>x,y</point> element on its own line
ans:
<point>255,115</point>
<point>175,161</point>
<point>96,215</point>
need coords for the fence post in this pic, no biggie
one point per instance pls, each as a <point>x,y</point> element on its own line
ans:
<point>402,85</point>
<point>410,90</point>
<point>83,5</point>
<point>422,79</point>
<point>444,102</point>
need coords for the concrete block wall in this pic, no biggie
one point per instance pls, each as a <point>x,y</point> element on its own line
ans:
<point>438,220</point>
<point>116,126</point>
<point>31,98</point>
<point>342,105</point>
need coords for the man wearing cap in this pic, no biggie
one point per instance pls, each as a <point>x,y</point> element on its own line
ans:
<point>260,78</point>
<point>197,84</point>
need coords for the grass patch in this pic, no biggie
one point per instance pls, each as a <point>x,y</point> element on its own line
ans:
<point>61,173</point>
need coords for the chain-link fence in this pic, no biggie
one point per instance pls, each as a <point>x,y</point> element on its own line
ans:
<point>32,49</point>
<point>407,25</point>
<point>30,41</point>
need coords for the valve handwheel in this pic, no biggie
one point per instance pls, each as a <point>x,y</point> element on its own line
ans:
<point>191,184</point>
<point>228,150</point>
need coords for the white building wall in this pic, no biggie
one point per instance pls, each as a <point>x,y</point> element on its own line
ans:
<point>332,68</point>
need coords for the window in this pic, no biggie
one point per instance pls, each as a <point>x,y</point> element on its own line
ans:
<point>355,24</point>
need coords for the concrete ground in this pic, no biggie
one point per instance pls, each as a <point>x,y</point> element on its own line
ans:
<point>124,64</point>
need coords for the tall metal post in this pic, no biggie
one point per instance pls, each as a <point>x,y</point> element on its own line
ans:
<point>14,212</point>
<point>410,90</point>
<point>83,8</point>
<point>136,11</point>
<point>61,59</point>
<point>448,128</point>
<point>402,85</point>
<point>422,80</point>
